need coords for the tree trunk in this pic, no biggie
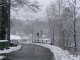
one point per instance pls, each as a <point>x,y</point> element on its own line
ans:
<point>8,28</point>
<point>74,19</point>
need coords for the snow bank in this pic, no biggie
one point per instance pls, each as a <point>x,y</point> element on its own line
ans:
<point>10,50</point>
<point>1,57</point>
<point>59,54</point>
<point>75,58</point>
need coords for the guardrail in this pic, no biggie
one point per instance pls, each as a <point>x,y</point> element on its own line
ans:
<point>41,41</point>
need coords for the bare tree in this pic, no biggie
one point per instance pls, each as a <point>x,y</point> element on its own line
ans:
<point>50,12</point>
<point>67,25</point>
<point>28,5</point>
<point>60,7</point>
<point>74,5</point>
<point>64,16</point>
<point>54,14</point>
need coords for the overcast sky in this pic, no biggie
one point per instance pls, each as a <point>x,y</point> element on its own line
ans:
<point>24,14</point>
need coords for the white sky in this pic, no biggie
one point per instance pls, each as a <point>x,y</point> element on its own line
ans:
<point>24,14</point>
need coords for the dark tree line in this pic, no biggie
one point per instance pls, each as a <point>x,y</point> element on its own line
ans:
<point>4,19</point>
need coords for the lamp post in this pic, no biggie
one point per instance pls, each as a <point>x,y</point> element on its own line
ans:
<point>38,36</point>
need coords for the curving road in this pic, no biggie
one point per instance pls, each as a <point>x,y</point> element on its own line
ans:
<point>30,52</point>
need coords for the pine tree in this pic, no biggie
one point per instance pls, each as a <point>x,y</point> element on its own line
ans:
<point>4,19</point>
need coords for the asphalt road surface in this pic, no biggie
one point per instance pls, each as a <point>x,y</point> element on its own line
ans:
<point>30,52</point>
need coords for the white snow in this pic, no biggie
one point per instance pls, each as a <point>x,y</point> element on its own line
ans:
<point>59,54</point>
<point>3,40</point>
<point>9,50</point>
<point>25,37</point>
<point>15,37</point>
<point>1,57</point>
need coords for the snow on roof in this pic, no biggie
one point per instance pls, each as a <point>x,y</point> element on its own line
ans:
<point>3,40</point>
<point>15,37</point>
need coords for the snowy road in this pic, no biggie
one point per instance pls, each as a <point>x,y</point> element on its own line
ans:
<point>30,52</point>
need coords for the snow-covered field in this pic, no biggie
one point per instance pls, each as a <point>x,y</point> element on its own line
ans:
<point>19,38</point>
<point>15,37</point>
<point>9,50</point>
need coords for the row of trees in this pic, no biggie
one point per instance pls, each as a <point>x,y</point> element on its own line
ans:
<point>24,28</point>
<point>62,17</point>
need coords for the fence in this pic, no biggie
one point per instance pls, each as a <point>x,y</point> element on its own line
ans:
<point>42,41</point>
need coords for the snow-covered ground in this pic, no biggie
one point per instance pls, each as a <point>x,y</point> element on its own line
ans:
<point>1,57</point>
<point>15,37</point>
<point>19,38</point>
<point>59,54</point>
<point>9,50</point>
